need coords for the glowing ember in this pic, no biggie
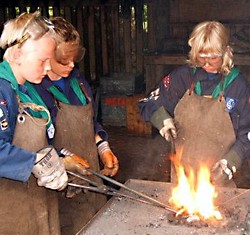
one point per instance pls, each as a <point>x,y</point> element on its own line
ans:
<point>194,196</point>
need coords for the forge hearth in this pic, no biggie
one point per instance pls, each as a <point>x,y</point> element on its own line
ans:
<point>121,216</point>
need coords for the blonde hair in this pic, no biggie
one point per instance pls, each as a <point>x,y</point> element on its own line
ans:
<point>65,30</point>
<point>69,38</point>
<point>211,37</point>
<point>26,26</point>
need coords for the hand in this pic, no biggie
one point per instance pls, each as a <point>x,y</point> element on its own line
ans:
<point>109,160</point>
<point>73,162</point>
<point>221,173</point>
<point>168,129</point>
<point>49,169</point>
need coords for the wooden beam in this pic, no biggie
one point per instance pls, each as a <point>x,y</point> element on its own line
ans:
<point>91,35</point>
<point>115,39</point>
<point>164,59</point>
<point>180,59</point>
<point>139,36</point>
<point>104,42</point>
<point>127,44</point>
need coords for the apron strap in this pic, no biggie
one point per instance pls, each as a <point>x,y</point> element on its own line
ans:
<point>84,91</point>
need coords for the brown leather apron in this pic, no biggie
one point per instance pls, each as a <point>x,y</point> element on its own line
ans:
<point>26,208</point>
<point>75,132</point>
<point>205,131</point>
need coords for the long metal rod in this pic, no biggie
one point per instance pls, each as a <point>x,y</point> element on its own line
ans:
<point>83,178</point>
<point>100,188</point>
<point>91,188</point>
<point>111,193</point>
<point>156,202</point>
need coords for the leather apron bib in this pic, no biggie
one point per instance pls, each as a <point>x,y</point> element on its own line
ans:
<point>75,132</point>
<point>205,131</point>
<point>26,208</point>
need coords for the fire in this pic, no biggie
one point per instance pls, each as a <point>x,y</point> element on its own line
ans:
<point>194,196</point>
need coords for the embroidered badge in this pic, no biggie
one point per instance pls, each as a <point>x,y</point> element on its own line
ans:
<point>230,103</point>
<point>4,124</point>
<point>154,95</point>
<point>166,81</point>
<point>1,113</point>
<point>51,131</point>
<point>3,102</point>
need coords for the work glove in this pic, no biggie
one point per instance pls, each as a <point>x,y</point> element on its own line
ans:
<point>223,170</point>
<point>49,169</point>
<point>109,160</point>
<point>77,164</point>
<point>73,162</point>
<point>168,130</point>
<point>164,123</point>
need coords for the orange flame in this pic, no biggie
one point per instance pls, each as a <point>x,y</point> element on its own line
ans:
<point>194,196</point>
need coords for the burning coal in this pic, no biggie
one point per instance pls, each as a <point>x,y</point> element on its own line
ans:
<point>194,194</point>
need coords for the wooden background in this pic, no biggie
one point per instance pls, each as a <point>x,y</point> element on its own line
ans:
<point>136,36</point>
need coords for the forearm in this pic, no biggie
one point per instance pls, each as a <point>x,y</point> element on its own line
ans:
<point>242,149</point>
<point>15,163</point>
<point>158,117</point>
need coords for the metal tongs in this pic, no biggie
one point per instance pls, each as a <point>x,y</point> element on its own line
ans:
<point>104,189</point>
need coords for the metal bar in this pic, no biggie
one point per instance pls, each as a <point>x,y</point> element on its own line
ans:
<point>91,188</point>
<point>172,142</point>
<point>114,193</point>
<point>99,188</point>
<point>83,178</point>
<point>156,202</point>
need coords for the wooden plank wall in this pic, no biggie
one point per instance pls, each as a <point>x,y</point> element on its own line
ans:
<point>111,31</point>
<point>172,22</point>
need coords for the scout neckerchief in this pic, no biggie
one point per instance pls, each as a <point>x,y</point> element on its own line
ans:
<point>7,74</point>
<point>222,85</point>
<point>76,88</point>
<point>38,100</point>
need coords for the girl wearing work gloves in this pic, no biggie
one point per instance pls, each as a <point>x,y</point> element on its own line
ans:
<point>204,106</point>
<point>69,99</point>
<point>30,42</point>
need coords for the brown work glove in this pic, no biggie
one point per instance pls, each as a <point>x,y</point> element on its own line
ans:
<point>77,164</point>
<point>73,162</point>
<point>109,160</point>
